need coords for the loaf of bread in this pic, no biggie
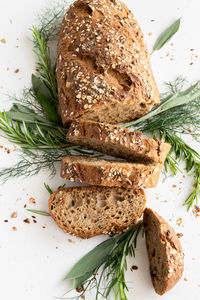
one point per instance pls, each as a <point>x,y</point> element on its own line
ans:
<point>164,251</point>
<point>105,172</point>
<point>88,211</point>
<point>117,141</point>
<point>103,69</point>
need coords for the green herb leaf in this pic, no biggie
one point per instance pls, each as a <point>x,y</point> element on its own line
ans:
<point>19,112</point>
<point>92,260</point>
<point>61,186</point>
<point>46,70</point>
<point>48,188</point>
<point>39,212</point>
<point>114,261</point>
<point>172,101</point>
<point>166,35</point>
<point>82,279</point>
<point>44,97</point>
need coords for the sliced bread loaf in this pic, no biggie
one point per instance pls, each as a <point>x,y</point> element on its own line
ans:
<point>117,141</point>
<point>103,68</point>
<point>164,251</point>
<point>89,211</point>
<point>105,172</point>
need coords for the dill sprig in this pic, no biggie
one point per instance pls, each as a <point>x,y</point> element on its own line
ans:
<point>32,162</point>
<point>50,19</point>
<point>104,267</point>
<point>179,111</point>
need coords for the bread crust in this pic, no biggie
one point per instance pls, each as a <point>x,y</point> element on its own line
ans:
<point>109,173</point>
<point>135,147</point>
<point>102,60</point>
<point>58,202</point>
<point>174,262</point>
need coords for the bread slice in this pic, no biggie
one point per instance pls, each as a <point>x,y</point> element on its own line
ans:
<point>164,251</point>
<point>117,141</point>
<point>89,211</point>
<point>105,172</point>
<point>103,68</point>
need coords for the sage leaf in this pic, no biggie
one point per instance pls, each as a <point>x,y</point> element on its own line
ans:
<point>166,35</point>
<point>177,99</point>
<point>92,260</point>
<point>44,97</point>
<point>82,279</point>
<point>19,112</point>
<point>39,212</point>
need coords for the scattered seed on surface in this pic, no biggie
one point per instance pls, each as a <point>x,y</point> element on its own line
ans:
<point>27,221</point>
<point>32,200</point>
<point>14,215</point>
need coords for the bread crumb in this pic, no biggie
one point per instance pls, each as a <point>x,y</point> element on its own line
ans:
<point>134,268</point>
<point>24,205</point>
<point>14,228</point>
<point>32,200</point>
<point>196,211</point>
<point>70,241</point>
<point>185,279</point>
<point>179,221</point>
<point>56,247</point>
<point>34,221</point>
<point>173,185</point>
<point>179,235</point>
<point>44,227</point>
<point>3,41</point>
<point>152,20</point>
<point>6,221</point>
<point>27,220</point>
<point>150,33</point>
<point>14,215</point>
<point>16,71</point>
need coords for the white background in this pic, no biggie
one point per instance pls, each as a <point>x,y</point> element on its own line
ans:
<point>33,259</point>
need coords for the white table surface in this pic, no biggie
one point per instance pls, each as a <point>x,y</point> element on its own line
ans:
<point>33,259</point>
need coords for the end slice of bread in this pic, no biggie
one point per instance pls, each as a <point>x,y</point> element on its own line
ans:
<point>89,211</point>
<point>164,251</point>
<point>117,141</point>
<point>104,172</point>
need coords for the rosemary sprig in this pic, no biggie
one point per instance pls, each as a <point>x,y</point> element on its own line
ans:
<point>46,70</point>
<point>39,212</point>
<point>191,158</point>
<point>38,135</point>
<point>111,255</point>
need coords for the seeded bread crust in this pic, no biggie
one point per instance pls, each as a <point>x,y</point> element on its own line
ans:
<point>89,211</point>
<point>105,172</point>
<point>164,251</point>
<point>103,69</point>
<point>117,141</point>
